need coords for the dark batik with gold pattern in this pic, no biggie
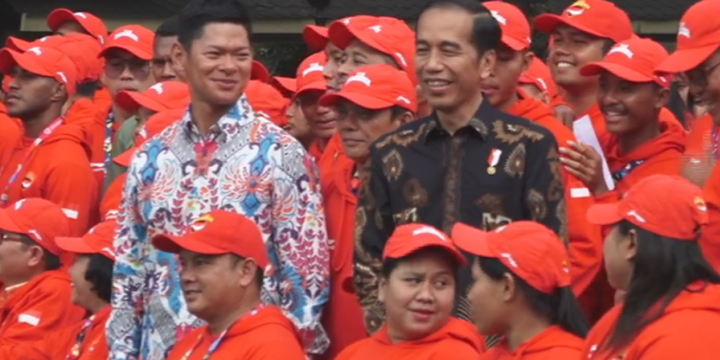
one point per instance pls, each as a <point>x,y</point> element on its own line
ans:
<point>420,173</point>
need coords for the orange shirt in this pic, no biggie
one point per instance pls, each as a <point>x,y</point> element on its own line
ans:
<point>661,155</point>
<point>687,330</point>
<point>458,339</point>
<point>11,128</point>
<point>266,335</point>
<point>552,344</point>
<point>84,113</point>
<point>59,344</point>
<point>585,238</point>
<point>710,241</point>
<point>699,159</point>
<point>111,201</point>
<point>342,316</point>
<point>36,309</point>
<point>57,170</point>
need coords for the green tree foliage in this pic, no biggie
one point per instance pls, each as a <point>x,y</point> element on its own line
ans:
<point>282,58</point>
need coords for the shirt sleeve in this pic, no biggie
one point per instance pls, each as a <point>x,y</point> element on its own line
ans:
<point>374,225</point>
<point>301,244</point>
<point>72,185</point>
<point>123,330</point>
<point>544,189</point>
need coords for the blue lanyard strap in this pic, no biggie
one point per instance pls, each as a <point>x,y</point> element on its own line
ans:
<point>624,172</point>
<point>108,145</point>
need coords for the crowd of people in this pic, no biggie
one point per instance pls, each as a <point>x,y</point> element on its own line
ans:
<point>437,193</point>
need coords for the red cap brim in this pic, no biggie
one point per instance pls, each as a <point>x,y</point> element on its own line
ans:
<point>686,60</point>
<point>11,58</point>
<point>140,53</point>
<point>7,223</point>
<point>472,240</point>
<point>175,244</point>
<point>59,16</point>
<point>604,214</point>
<point>17,44</point>
<point>547,23</point>
<point>260,72</point>
<point>133,100</point>
<point>620,71</point>
<point>314,86</point>
<point>514,43</point>
<point>316,37</point>
<point>362,100</point>
<point>74,245</point>
<point>285,83</point>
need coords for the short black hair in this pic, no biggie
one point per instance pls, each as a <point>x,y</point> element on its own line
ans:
<point>87,89</point>
<point>168,28</point>
<point>486,32</point>
<point>52,261</point>
<point>99,275</point>
<point>398,110</point>
<point>199,13</point>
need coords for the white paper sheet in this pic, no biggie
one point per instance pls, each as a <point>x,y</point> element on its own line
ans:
<point>585,133</point>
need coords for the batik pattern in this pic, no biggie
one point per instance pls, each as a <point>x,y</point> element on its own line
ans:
<point>247,165</point>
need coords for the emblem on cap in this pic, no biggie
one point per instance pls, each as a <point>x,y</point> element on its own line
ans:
<point>158,88</point>
<point>700,203</point>
<point>359,77</point>
<point>35,50</point>
<point>565,267</point>
<point>128,34</point>
<point>201,222</point>
<point>683,30</point>
<point>431,231</point>
<point>577,8</point>
<point>501,19</point>
<point>312,68</point>
<point>622,49</point>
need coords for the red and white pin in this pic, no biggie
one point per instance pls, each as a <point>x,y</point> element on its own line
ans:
<point>493,160</point>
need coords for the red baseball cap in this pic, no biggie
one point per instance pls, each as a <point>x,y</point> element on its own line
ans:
<point>135,39</point>
<point>634,60</point>
<point>82,49</point>
<point>376,87</point>
<point>216,233</point>
<point>669,206</point>
<point>153,126</point>
<point>387,35</point>
<point>527,248</point>
<point>515,26</point>
<point>91,23</point>
<point>99,240</point>
<point>42,61</point>
<point>284,84</point>
<point>310,74</point>
<point>697,39</point>
<point>18,44</point>
<point>316,37</point>
<point>409,238</point>
<point>538,74</point>
<point>39,219</point>
<point>260,72</point>
<point>6,83</point>
<point>600,18</point>
<point>267,102</point>
<point>164,95</point>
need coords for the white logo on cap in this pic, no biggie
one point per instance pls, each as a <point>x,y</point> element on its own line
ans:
<point>431,231</point>
<point>62,76</point>
<point>35,50</point>
<point>262,114</point>
<point>108,251</point>
<point>19,204</point>
<point>404,99</point>
<point>510,259</point>
<point>128,34</point>
<point>637,216</point>
<point>683,30</point>
<point>313,68</point>
<point>401,58</point>
<point>376,28</point>
<point>346,21</point>
<point>80,14</point>
<point>359,77</point>
<point>623,49</point>
<point>35,234</point>
<point>499,17</point>
<point>44,38</point>
<point>158,88</point>
<point>542,83</point>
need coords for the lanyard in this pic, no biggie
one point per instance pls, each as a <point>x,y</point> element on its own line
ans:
<point>216,344</point>
<point>715,141</point>
<point>624,172</point>
<point>5,197</point>
<point>108,144</point>
<point>75,351</point>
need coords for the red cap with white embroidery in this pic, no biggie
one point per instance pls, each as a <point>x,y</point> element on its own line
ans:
<point>39,219</point>
<point>135,39</point>
<point>376,87</point>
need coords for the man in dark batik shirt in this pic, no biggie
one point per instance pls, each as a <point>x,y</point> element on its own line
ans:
<point>468,162</point>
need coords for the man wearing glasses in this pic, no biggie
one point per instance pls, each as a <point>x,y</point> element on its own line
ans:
<point>127,53</point>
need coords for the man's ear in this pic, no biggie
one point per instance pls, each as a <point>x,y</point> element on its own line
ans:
<point>487,63</point>
<point>178,56</point>
<point>528,57</point>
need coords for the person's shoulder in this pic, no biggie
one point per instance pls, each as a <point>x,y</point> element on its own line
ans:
<point>403,136</point>
<point>361,349</point>
<point>506,126</point>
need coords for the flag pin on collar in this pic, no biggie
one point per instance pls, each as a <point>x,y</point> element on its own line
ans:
<point>493,160</point>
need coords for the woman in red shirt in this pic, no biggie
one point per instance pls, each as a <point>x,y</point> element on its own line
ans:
<point>521,292</point>
<point>672,308</point>
<point>418,288</point>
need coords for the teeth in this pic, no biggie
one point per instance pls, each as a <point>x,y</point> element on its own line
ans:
<point>437,83</point>
<point>563,65</point>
